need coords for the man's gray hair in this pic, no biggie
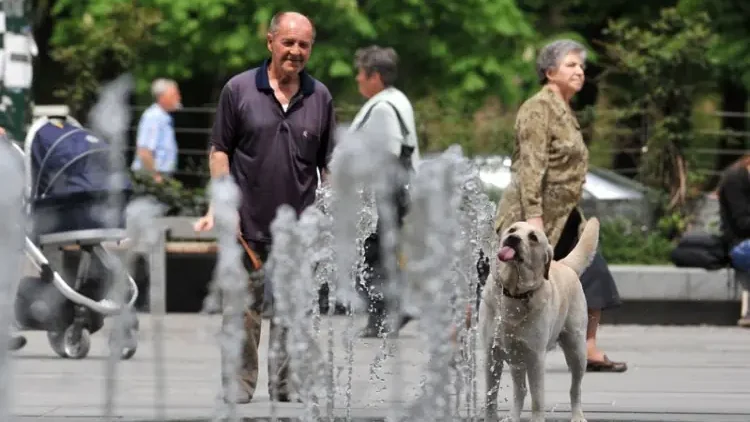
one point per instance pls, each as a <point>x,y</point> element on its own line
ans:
<point>378,59</point>
<point>273,27</point>
<point>552,55</point>
<point>160,86</point>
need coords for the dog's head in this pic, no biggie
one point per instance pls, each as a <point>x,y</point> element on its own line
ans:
<point>525,250</point>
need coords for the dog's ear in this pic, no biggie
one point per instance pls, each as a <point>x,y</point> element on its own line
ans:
<point>548,261</point>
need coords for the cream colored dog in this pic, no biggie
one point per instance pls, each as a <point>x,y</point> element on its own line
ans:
<point>531,302</point>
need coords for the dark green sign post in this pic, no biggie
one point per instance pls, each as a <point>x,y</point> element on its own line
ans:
<point>15,90</point>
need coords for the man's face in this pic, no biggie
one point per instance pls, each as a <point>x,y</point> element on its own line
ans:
<point>171,98</point>
<point>368,85</point>
<point>291,45</point>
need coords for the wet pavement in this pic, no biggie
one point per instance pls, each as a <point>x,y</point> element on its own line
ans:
<point>676,374</point>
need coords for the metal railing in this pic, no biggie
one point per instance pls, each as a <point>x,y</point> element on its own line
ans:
<point>193,140</point>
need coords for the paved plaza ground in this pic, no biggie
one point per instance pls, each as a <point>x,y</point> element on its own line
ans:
<point>676,374</point>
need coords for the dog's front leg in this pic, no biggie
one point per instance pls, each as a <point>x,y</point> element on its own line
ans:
<point>493,371</point>
<point>535,368</point>
<point>518,373</point>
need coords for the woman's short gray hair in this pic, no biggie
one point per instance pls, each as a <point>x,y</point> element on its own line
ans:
<point>378,59</point>
<point>552,55</point>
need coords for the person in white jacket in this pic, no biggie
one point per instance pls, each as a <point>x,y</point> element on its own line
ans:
<point>387,116</point>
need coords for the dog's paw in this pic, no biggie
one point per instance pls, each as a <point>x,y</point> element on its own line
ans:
<point>578,419</point>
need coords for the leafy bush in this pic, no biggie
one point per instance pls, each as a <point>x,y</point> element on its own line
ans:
<point>624,242</point>
<point>485,131</point>
<point>179,200</point>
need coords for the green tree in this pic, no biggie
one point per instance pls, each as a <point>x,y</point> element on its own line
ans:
<point>730,20</point>
<point>465,50</point>
<point>96,42</point>
<point>666,63</point>
<point>462,51</point>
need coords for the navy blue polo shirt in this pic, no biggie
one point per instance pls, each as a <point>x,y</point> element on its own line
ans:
<point>274,155</point>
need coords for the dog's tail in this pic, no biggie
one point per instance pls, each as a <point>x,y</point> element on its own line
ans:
<point>581,256</point>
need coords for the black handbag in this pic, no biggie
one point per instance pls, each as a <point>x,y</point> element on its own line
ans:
<point>700,249</point>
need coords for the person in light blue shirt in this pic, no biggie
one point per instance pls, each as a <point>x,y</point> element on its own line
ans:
<point>156,152</point>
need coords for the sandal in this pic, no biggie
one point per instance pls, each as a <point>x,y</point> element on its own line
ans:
<point>606,365</point>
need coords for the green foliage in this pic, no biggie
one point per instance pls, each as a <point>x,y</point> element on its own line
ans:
<point>671,226</point>
<point>222,37</point>
<point>487,131</point>
<point>469,49</point>
<point>178,200</point>
<point>665,63</point>
<point>730,20</point>
<point>623,242</point>
<point>97,42</point>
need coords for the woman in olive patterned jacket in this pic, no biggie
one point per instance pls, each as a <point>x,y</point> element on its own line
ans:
<point>549,166</point>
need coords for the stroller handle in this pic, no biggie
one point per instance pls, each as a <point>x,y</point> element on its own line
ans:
<point>104,306</point>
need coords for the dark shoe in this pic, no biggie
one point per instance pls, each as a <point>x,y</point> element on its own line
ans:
<point>405,319</point>
<point>376,329</point>
<point>606,365</point>
<point>16,342</point>
<point>285,398</point>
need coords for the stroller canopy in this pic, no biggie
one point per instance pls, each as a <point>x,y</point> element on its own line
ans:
<point>68,179</point>
<point>66,160</point>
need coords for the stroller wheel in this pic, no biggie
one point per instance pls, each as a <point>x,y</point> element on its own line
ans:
<point>73,343</point>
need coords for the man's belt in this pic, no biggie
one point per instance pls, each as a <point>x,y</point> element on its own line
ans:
<point>257,263</point>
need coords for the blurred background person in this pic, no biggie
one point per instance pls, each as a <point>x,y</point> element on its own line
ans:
<point>734,214</point>
<point>156,144</point>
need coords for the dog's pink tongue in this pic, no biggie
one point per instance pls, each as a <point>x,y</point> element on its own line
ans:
<point>506,253</point>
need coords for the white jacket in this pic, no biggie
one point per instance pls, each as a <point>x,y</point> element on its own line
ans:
<point>383,122</point>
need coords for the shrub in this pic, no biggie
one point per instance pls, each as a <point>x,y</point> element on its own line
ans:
<point>624,242</point>
<point>179,200</point>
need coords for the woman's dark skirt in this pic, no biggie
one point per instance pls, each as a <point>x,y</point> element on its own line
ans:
<point>598,284</point>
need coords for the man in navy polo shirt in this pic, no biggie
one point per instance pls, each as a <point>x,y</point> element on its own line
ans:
<point>273,131</point>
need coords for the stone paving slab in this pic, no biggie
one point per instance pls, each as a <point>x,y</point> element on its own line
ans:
<point>676,374</point>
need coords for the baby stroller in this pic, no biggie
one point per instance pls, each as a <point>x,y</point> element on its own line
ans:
<point>67,195</point>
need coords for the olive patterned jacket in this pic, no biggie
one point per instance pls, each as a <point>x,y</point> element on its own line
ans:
<point>549,166</point>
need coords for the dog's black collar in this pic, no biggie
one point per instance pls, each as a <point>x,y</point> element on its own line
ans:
<point>525,296</point>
